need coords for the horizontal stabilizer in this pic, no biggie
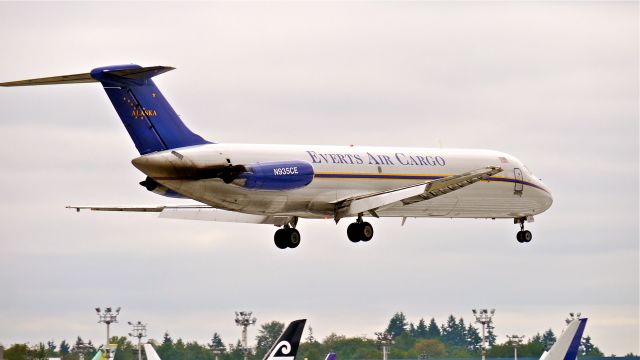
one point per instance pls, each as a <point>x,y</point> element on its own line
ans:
<point>194,212</point>
<point>131,74</point>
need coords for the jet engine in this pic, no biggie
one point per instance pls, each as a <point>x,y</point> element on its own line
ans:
<point>278,175</point>
<point>160,189</point>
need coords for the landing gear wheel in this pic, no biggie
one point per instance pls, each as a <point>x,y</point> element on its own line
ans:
<point>293,238</point>
<point>280,238</point>
<point>366,231</point>
<point>526,236</point>
<point>353,232</point>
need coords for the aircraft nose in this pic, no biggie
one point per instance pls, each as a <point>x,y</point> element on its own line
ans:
<point>544,195</point>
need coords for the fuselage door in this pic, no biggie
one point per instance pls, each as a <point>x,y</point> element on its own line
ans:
<point>518,187</point>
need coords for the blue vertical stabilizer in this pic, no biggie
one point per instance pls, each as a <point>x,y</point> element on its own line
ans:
<point>151,122</point>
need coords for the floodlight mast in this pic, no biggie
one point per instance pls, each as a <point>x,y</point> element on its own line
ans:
<point>385,340</point>
<point>515,341</point>
<point>572,316</point>
<point>139,331</point>
<point>483,316</point>
<point>244,319</point>
<point>108,317</point>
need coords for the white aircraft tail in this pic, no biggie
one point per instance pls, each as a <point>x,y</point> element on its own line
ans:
<point>566,347</point>
<point>102,355</point>
<point>151,352</point>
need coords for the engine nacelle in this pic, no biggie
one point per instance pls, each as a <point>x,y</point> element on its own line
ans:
<point>278,175</point>
<point>160,189</point>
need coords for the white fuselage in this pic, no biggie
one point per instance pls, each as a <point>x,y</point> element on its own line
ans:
<point>342,172</point>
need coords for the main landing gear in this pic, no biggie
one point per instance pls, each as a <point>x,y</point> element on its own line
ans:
<point>523,236</point>
<point>287,237</point>
<point>359,230</point>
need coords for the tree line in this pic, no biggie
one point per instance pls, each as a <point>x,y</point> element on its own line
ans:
<point>454,338</point>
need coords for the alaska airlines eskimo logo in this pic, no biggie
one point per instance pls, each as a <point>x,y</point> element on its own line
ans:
<point>284,347</point>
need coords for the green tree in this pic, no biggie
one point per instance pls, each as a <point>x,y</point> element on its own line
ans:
<point>217,344</point>
<point>267,335</point>
<point>588,349</point>
<point>51,348</point>
<point>548,339</point>
<point>397,325</point>
<point>491,335</point>
<point>473,339</point>
<point>165,350</point>
<point>64,348</point>
<point>39,351</point>
<point>422,330</point>
<point>448,330</point>
<point>433,331</point>
<point>17,352</point>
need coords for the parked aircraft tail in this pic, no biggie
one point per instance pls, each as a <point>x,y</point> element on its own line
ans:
<point>566,347</point>
<point>102,355</point>
<point>151,122</point>
<point>286,347</point>
<point>151,352</point>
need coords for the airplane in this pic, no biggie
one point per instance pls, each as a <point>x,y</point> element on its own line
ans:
<point>285,348</point>
<point>279,184</point>
<point>568,343</point>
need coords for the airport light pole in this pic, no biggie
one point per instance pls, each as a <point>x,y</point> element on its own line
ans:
<point>139,331</point>
<point>244,319</point>
<point>385,340</point>
<point>108,317</point>
<point>483,317</point>
<point>572,316</point>
<point>515,341</point>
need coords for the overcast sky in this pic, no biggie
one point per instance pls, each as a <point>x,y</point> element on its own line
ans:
<point>555,84</point>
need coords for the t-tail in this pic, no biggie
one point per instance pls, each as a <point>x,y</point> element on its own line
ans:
<point>151,122</point>
<point>286,347</point>
<point>566,347</point>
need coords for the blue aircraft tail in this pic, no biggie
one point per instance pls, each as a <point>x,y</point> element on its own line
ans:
<point>151,122</point>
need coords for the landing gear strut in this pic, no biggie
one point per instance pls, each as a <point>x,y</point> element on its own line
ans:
<point>360,230</point>
<point>523,236</point>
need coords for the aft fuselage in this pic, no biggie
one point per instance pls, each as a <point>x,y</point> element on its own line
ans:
<point>342,172</point>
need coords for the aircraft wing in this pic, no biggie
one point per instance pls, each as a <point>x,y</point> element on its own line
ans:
<point>194,212</point>
<point>413,193</point>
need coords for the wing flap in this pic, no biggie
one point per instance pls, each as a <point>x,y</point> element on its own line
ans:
<point>412,194</point>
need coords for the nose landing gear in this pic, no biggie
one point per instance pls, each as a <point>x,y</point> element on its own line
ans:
<point>523,236</point>
<point>360,230</point>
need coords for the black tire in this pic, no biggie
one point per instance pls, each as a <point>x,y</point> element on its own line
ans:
<point>353,232</point>
<point>526,236</point>
<point>293,238</point>
<point>280,239</point>
<point>519,237</point>
<point>366,231</point>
